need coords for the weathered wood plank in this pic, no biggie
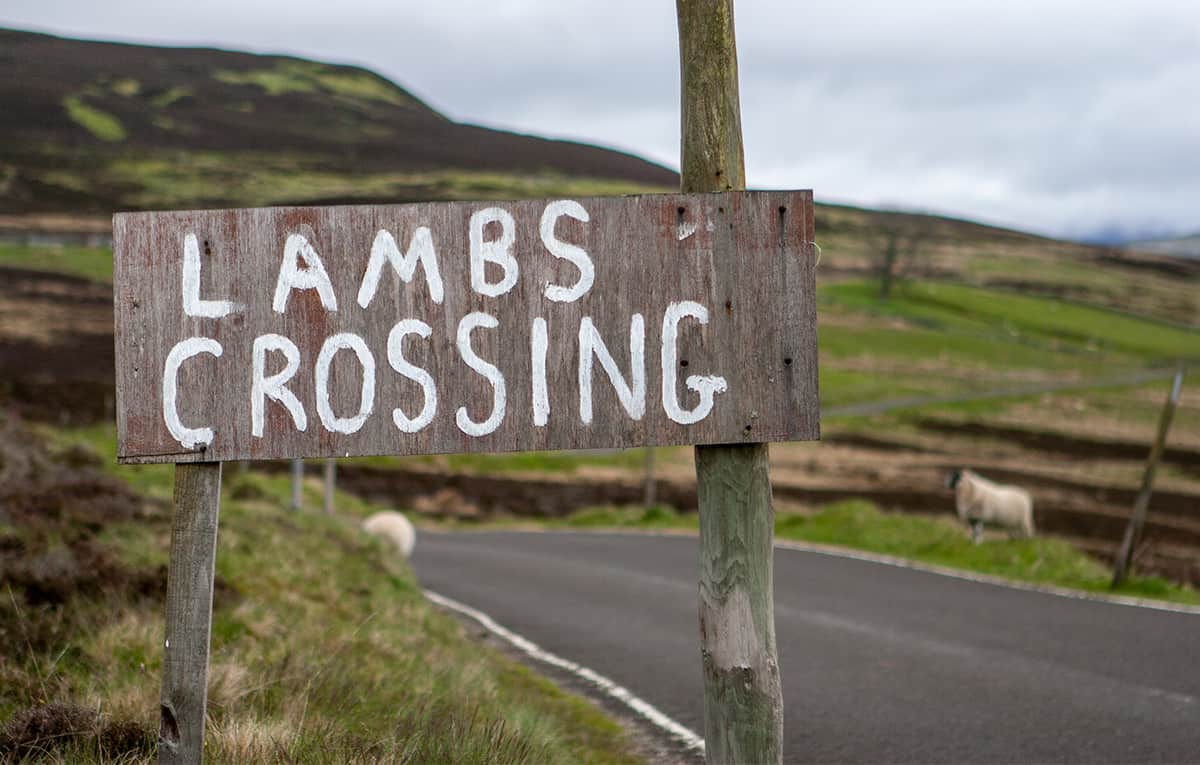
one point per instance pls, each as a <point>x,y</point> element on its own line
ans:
<point>746,258</point>
<point>189,613</point>
<point>743,695</point>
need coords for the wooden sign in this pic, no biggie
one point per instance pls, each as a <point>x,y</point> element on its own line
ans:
<point>465,327</point>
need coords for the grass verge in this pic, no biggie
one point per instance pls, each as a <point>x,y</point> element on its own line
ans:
<point>93,263</point>
<point>937,540</point>
<point>323,648</point>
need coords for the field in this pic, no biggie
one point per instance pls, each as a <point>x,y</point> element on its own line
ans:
<point>957,366</point>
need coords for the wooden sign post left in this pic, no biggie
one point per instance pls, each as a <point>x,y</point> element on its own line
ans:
<point>189,613</point>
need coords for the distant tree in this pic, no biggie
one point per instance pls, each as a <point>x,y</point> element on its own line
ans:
<point>898,241</point>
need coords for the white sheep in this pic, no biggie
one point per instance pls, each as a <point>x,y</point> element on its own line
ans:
<point>393,527</point>
<point>979,501</point>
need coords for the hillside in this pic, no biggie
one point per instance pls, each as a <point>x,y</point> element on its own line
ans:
<point>93,127</point>
<point>1184,246</point>
<point>1037,361</point>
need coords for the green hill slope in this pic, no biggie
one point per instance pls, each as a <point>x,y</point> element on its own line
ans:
<point>92,127</point>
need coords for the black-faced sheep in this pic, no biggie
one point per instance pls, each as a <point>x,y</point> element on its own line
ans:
<point>393,527</point>
<point>979,501</point>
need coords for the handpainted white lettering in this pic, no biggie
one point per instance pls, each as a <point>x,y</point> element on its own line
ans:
<point>293,277</point>
<point>488,370</point>
<point>366,401</point>
<point>496,251</point>
<point>706,385</point>
<point>189,438</point>
<point>384,250</point>
<point>632,397</point>
<point>395,355</point>
<point>538,345</point>
<point>559,249</point>
<point>274,387</point>
<point>193,305</point>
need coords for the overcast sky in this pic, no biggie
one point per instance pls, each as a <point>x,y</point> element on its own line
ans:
<point>1068,117</point>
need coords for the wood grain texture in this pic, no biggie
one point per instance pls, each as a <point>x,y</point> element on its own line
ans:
<point>712,157</point>
<point>189,613</point>
<point>743,695</point>
<point>746,257</point>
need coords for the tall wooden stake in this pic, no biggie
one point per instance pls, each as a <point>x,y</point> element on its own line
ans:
<point>743,698</point>
<point>189,613</point>
<point>1133,531</point>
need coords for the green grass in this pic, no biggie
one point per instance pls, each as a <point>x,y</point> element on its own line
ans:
<point>940,541</point>
<point>274,82</point>
<point>523,462</point>
<point>542,462</point>
<point>1003,321</point>
<point>93,263</point>
<point>170,96</point>
<point>935,339</point>
<point>323,648</point>
<point>943,541</point>
<point>359,85</point>
<point>99,123</point>
<point>293,76</point>
<point>180,181</point>
<point>845,386</point>
<point>653,517</point>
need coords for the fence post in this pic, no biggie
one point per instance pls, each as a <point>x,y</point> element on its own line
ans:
<point>743,697</point>
<point>330,484</point>
<point>189,613</point>
<point>1133,531</point>
<point>297,484</point>
<point>649,481</point>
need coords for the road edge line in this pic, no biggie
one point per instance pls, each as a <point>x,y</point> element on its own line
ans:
<point>999,581</point>
<point>642,708</point>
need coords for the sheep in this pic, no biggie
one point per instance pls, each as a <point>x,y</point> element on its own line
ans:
<point>393,527</point>
<point>980,501</point>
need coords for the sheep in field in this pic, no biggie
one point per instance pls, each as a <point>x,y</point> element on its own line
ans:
<point>394,528</point>
<point>979,501</point>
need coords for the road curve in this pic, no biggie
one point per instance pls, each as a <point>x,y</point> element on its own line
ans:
<point>880,664</point>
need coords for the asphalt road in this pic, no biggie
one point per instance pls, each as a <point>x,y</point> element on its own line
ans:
<point>880,664</point>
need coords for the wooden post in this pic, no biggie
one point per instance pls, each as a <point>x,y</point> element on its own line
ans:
<point>297,484</point>
<point>330,484</point>
<point>1133,531</point>
<point>743,698</point>
<point>189,613</point>
<point>649,483</point>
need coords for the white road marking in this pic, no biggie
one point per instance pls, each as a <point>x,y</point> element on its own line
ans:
<point>640,707</point>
